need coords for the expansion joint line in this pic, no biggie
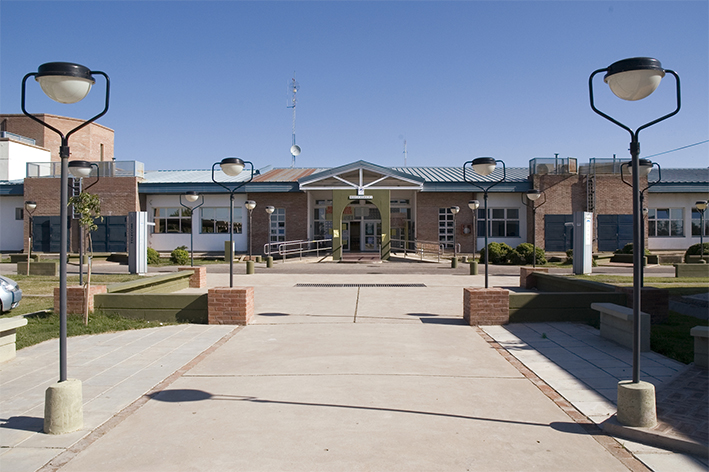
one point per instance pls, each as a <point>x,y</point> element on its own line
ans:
<point>356,305</point>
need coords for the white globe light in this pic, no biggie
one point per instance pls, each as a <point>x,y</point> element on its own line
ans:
<point>250,204</point>
<point>270,209</point>
<point>635,78</point>
<point>65,89</point>
<point>191,196</point>
<point>473,204</point>
<point>534,195</point>
<point>232,166</point>
<point>455,210</point>
<point>80,169</point>
<point>484,165</point>
<point>30,205</point>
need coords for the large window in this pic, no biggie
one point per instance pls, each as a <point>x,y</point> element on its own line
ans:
<point>216,220</point>
<point>696,223</point>
<point>278,225</point>
<point>503,222</point>
<point>665,222</point>
<point>322,219</point>
<point>173,220</point>
<point>446,230</point>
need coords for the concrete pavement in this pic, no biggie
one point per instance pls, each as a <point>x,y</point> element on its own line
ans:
<point>327,378</point>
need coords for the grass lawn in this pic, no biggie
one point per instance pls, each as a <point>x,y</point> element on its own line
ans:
<point>670,338</point>
<point>43,323</point>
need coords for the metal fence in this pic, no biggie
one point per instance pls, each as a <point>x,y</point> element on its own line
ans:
<point>105,169</point>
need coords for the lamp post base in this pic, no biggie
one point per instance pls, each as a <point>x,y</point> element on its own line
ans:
<point>63,407</point>
<point>636,404</point>
<point>249,267</point>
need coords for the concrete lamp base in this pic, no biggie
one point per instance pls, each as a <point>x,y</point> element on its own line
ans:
<point>63,407</point>
<point>249,267</point>
<point>636,404</point>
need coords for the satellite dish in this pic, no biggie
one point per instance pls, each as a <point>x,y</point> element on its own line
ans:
<point>295,149</point>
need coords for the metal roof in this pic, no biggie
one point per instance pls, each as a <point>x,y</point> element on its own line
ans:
<point>455,174</point>
<point>680,181</point>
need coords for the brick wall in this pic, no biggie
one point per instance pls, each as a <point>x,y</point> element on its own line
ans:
<point>526,279</point>
<point>654,301</point>
<point>75,298</point>
<point>85,144</point>
<point>199,278</point>
<point>118,195</point>
<point>296,206</point>
<point>427,205</point>
<point>230,305</point>
<point>486,306</point>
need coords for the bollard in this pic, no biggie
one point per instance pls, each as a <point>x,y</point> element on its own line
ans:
<point>249,267</point>
<point>269,261</point>
<point>454,263</point>
<point>473,268</point>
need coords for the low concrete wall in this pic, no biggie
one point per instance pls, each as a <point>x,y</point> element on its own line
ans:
<point>617,325</point>
<point>154,284</point>
<point>628,259</point>
<point>701,346</point>
<point>692,270</point>
<point>35,257</point>
<point>560,283</point>
<point>50,268</point>
<point>171,307</point>
<point>536,307</point>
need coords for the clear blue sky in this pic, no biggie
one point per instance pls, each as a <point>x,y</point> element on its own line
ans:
<point>195,81</point>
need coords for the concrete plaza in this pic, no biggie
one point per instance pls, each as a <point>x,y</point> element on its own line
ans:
<point>340,371</point>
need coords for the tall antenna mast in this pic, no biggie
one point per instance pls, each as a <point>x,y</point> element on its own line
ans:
<point>406,154</point>
<point>293,88</point>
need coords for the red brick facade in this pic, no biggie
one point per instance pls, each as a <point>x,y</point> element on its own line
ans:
<point>525,276</point>
<point>92,143</point>
<point>296,206</point>
<point>486,306</point>
<point>230,305</point>
<point>427,206</point>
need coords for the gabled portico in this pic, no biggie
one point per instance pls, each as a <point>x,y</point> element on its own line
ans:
<point>359,204</point>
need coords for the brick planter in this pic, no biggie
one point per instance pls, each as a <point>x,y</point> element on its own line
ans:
<point>230,305</point>
<point>655,301</point>
<point>75,298</point>
<point>525,276</point>
<point>199,278</point>
<point>486,306</point>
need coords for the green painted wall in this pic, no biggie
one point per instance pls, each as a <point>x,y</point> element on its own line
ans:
<point>340,200</point>
<point>180,307</point>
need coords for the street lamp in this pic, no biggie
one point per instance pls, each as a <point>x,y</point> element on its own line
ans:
<point>64,82</point>
<point>79,170</point>
<point>645,166</point>
<point>634,79</point>
<point>250,205</point>
<point>191,196</point>
<point>270,209</point>
<point>232,166</point>
<point>30,207</point>
<point>485,166</point>
<point>701,206</point>
<point>532,197</point>
<point>67,83</point>
<point>454,210</point>
<point>473,205</point>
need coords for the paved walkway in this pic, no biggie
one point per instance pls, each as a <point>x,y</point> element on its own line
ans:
<point>344,378</point>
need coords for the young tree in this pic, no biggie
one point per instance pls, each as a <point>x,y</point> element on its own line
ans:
<point>88,206</point>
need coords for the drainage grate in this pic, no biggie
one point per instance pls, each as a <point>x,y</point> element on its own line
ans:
<point>361,285</point>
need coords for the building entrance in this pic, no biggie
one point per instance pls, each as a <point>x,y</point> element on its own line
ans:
<point>362,228</point>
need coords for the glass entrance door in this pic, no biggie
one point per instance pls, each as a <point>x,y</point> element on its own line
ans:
<point>372,231</point>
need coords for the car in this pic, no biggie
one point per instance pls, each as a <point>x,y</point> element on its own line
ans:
<point>10,294</point>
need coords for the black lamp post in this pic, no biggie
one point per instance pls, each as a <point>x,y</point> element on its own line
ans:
<point>634,79</point>
<point>485,166</point>
<point>250,205</point>
<point>232,166</point>
<point>531,202</point>
<point>645,166</point>
<point>68,83</point>
<point>192,196</point>
<point>30,207</point>
<point>473,205</point>
<point>701,206</point>
<point>81,169</point>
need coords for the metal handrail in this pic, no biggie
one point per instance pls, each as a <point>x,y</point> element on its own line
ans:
<point>419,248</point>
<point>300,247</point>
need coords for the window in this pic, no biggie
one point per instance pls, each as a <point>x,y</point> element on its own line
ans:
<point>697,221</point>
<point>446,230</point>
<point>172,220</point>
<point>504,222</point>
<point>278,225</point>
<point>216,220</point>
<point>665,222</point>
<point>322,219</point>
<point>19,213</point>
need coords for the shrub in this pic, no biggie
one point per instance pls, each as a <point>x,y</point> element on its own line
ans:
<point>522,255</point>
<point>153,256</point>
<point>499,253</point>
<point>569,256</point>
<point>695,250</point>
<point>180,256</point>
<point>628,249</point>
